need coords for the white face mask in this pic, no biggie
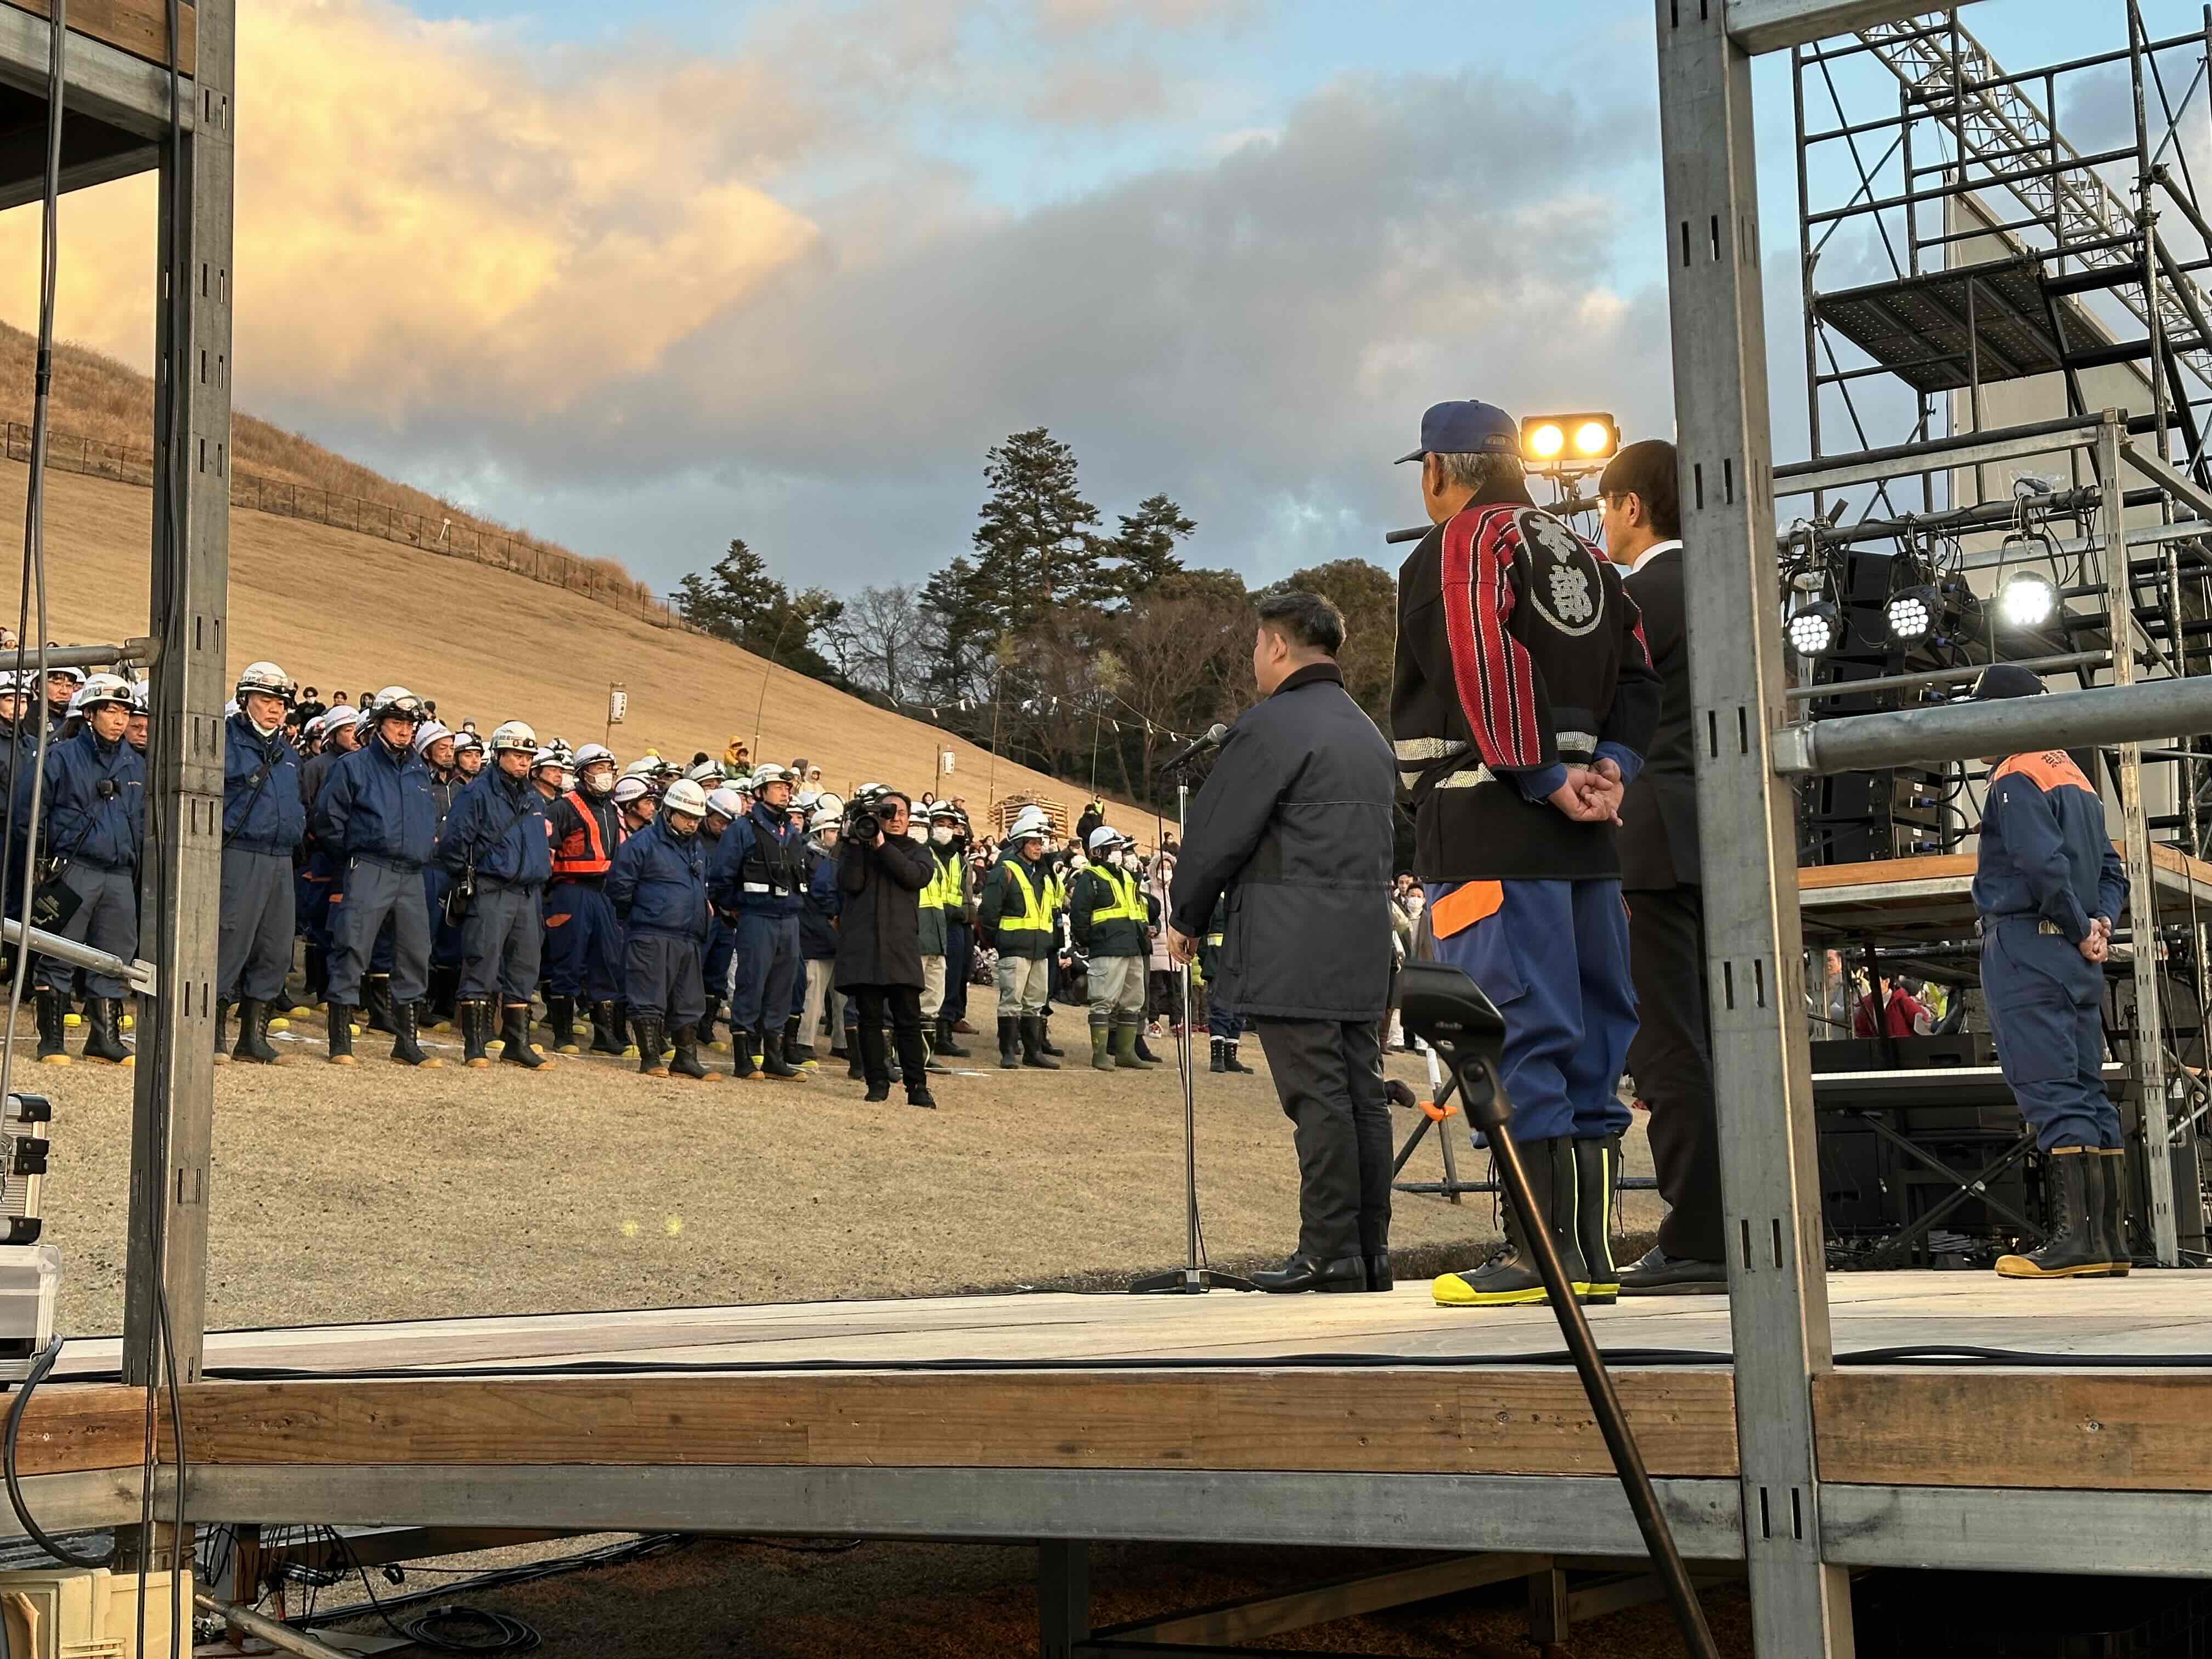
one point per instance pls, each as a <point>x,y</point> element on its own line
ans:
<point>942,835</point>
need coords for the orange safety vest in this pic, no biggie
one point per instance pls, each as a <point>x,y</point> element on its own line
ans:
<point>580,852</point>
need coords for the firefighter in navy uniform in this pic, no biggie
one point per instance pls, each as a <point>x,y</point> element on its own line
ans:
<point>583,942</point>
<point>724,809</point>
<point>1523,703</point>
<point>2048,889</point>
<point>264,821</point>
<point>759,876</point>
<point>657,886</point>
<point>434,743</point>
<point>335,734</point>
<point>495,845</point>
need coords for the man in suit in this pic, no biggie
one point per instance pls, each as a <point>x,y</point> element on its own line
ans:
<point>1671,1057</point>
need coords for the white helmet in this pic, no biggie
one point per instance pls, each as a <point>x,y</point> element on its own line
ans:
<point>704,772</point>
<point>644,768</point>
<point>99,688</point>
<point>592,754</point>
<point>427,733</point>
<point>630,790</point>
<point>724,802</point>
<point>331,719</point>
<point>763,776</point>
<point>806,799</point>
<point>514,734</point>
<point>826,802</point>
<point>77,674</point>
<point>823,819</point>
<point>467,740</point>
<point>265,678</point>
<point>395,699</point>
<point>539,758</point>
<point>686,797</point>
<point>1030,820</point>
<point>1105,839</point>
<point>141,696</point>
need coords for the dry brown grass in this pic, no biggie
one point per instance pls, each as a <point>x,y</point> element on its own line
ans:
<point>97,397</point>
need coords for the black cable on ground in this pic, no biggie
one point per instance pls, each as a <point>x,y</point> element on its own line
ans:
<point>37,1533</point>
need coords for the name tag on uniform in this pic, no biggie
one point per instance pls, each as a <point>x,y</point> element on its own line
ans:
<point>757,887</point>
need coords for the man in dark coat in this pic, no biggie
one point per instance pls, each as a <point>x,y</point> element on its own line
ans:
<point>1671,1054</point>
<point>1295,825</point>
<point>880,878</point>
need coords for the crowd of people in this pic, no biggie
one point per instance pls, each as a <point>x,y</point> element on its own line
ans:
<point>416,874</point>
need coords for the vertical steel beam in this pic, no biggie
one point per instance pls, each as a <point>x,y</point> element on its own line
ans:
<point>174,1109</point>
<point>2147,1050</point>
<point>1754,945</point>
<point>1063,1596</point>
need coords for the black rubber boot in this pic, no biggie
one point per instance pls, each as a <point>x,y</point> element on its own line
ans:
<point>929,1051</point>
<point>772,1063</point>
<point>561,1020</point>
<point>1510,1277</point>
<point>517,1050</point>
<point>341,1031</point>
<point>607,1028</point>
<point>686,1063</point>
<point>891,1060</point>
<point>1218,1064</point>
<point>1379,1276</point>
<point>446,992</point>
<point>406,1049</point>
<point>2115,1241</point>
<point>103,1035</point>
<point>254,1035</point>
<point>376,1000</point>
<point>1044,1037</point>
<point>1597,1200</point>
<point>856,1061</point>
<point>222,1022</point>
<point>1229,1061</point>
<point>50,1048</point>
<point>318,970</point>
<point>705,1028</point>
<point>796,1052</point>
<point>648,1028</point>
<point>742,1063</point>
<point>946,1045</point>
<point>1033,1054</point>
<point>475,1019</point>
<point>1009,1053</point>
<point>2074,1250</point>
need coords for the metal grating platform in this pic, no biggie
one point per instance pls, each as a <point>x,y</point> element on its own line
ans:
<point>1928,329</point>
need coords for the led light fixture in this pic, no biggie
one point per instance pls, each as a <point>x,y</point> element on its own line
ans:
<point>2028,599</point>
<point>1910,613</point>
<point>1817,629</point>
<point>1567,439</point>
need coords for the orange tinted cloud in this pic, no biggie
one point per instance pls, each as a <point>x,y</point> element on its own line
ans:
<point>426,218</point>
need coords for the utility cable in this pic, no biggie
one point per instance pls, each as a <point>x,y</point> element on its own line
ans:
<point>60,1552</point>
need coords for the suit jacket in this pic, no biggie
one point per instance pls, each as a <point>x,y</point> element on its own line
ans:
<point>1659,818</point>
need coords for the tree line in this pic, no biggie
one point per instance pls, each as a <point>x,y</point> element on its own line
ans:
<point>1083,652</point>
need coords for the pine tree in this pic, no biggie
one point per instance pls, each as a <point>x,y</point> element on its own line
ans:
<point>1146,546</point>
<point>1037,545</point>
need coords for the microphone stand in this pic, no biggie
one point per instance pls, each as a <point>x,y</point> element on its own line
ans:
<point>1193,1278</point>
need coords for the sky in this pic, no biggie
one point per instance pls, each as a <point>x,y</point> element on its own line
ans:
<point>645,278</point>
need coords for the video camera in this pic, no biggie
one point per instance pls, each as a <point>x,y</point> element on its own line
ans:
<point>862,824</point>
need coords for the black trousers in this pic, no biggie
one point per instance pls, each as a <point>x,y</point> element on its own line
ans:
<point>1671,1058</point>
<point>903,1003</point>
<point>1328,1075</point>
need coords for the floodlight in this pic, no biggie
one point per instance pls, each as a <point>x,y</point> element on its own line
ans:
<point>1557,439</point>
<point>2027,599</point>
<point>1817,629</point>
<point>1912,613</point>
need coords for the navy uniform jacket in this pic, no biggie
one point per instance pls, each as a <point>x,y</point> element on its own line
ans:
<point>498,822</point>
<point>94,803</point>
<point>817,922</point>
<point>2044,850</point>
<point>760,864</point>
<point>262,811</point>
<point>657,883</point>
<point>375,803</point>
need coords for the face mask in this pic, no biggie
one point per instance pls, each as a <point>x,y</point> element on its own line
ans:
<point>269,731</point>
<point>597,781</point>
<point>941,836</point>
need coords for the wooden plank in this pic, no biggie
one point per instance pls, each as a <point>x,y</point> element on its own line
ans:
<point>2069,1431</point>
<point>1938,867</point>
<point>140,28</point>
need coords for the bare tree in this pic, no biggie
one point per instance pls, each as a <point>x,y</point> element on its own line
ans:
<point>879,642</point>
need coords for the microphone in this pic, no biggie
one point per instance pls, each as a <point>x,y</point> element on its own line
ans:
<point>1196,747</point>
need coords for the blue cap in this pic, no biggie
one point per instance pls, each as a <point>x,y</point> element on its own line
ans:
<point>1470,428</point>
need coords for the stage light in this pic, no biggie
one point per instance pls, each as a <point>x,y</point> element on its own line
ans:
<point>1565,440</point>
<point>2027,599</point>
<point>1817,629</point>
<point>1912,613</point>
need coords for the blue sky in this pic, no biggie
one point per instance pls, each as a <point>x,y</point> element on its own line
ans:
<point>1227,248</point>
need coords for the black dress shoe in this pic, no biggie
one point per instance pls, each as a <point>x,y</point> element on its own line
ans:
<point>1657,1273</point>
<point>1379,1277</point>
<point>1302,1272</point>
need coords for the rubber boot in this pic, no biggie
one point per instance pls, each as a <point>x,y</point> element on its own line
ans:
<point>1509,1278</point>
<point>1229,1061</point>
<point>686,1063</point>
<point>51,1049</point>
<point>1044,1037</point>
<point>405,1048</point>
<point>1598,1199</point>
<point>607,1028</point>
<point>340,1029</point>
<point>648,1027</point>
<point>445,996</point>
<point>103,1025</point>
<point>1379,1276</point>
<point>1218,1064</point>
<point>742,1063</point>
<point>1143,1051</point>
<point>561,1019</point>
<point>772,1063</point>
<point>317,970</point>
<point>705,1028</point>
<point>1033,1054</point>
<point>1009,1055</point>
<point>891,1056</point>
<point>796,1052</point>
<point>475,1019</point>
<point>2074,1248</point>
<point>516,1031</point>
<point>376,998</point>
<point>2115,1242</point>
<point>1125,1050</point>
<point>254,1035</point>
<point>1102,1039</point>
<point>857,1064</point>
<point>222,1020</point>
<point>929,1050</point>
<point>946,1045</point>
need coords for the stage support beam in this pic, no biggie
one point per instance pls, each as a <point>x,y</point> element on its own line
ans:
<point>1778,1312</point>
<point>1759,26</point>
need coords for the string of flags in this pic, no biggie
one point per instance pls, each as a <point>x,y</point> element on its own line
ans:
<point>1137,720</point>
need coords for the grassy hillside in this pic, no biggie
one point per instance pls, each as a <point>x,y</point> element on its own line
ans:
<point>337,609</point>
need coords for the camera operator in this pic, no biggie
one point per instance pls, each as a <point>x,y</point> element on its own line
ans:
<point>881,871</point>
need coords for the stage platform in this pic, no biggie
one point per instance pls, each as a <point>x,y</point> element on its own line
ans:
<point>1367,1421</point>
<point>1916,899</point>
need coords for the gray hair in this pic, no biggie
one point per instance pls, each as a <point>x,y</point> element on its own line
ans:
<point>1480,471</point>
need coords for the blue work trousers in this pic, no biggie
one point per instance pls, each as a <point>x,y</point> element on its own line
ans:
<point>583,955</point>
<point>762,971</point>
<point>1553,956</point>
<point>2045,1004</point>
